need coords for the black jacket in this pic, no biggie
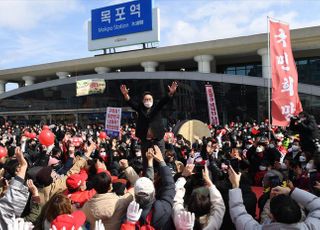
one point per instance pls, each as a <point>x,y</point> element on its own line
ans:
<point>308,131</point>
<point>163,205</point>
<point>149,118</point>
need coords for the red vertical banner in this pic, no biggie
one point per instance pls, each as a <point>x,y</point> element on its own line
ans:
<point>212,107</point>
<point>285,97</point>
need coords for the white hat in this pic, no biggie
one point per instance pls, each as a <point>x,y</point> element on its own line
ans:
<point>143,185</point>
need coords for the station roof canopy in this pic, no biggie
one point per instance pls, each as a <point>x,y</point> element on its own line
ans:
<point>302,39</point>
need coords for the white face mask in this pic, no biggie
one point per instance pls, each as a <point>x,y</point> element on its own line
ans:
<point>295,148</point>
<point>283,166</point>
<point>262,168</point>
<point>302,158</point>
<point>148,104</point>
<point>260,149</point>
<point>138,153</point>
<point>309,166</point>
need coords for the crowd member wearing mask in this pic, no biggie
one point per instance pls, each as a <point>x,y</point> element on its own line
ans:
<point>205,203</point>
<point>160,204</point>
<point>305,124</point>
<point>50,183</point>
<point>149,127</point>
<point>295,151</point>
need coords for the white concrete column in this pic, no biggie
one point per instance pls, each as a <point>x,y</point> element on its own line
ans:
<point>102,70</point>
<point>2,86</point>
<point>149,66</point>
<point>204,63</point>
<point>28,80</point>
<point>62,75</point>
<point>265,62</point>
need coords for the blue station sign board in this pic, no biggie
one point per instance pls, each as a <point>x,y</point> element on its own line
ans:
<point>126,18</point>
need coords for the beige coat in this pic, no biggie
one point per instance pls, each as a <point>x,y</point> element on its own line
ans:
<point>108,207</point>
<point>59,185</point>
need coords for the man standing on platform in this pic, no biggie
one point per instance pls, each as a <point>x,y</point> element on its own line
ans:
<point>149,128</point>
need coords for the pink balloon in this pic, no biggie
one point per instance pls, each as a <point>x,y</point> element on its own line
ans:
<point>46,137</point>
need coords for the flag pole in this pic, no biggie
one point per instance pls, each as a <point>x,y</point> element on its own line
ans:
<point>269,78</point>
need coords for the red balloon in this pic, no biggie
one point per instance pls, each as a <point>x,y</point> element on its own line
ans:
<point>103,135</point>
<point>32,135</point>
<point>3,152</point>
<point>46,137</point>
<point>27,134</point>
<point>45,127</point>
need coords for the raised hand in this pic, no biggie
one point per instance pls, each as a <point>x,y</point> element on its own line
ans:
<point>234,177</point>
<point>157,155</point>
<point>149,156</point>
<point>23,165</point>
<point>185,221</point>
<point>188,170</point>
<point>206,177</point>
<point>99,225</point>
<point>133,212</point>
<point>33,189</point>
<point>280,190</point>
<point>92,147</point>
<point>20,224</point>
<point>125,92</point>
<point>123,163</point>
<point>173,88</point>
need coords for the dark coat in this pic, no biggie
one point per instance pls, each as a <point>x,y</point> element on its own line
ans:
<point>308,131</point>
<point>149,118</point>
<point>162,207</point>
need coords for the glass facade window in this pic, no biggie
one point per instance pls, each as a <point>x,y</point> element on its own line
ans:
<point>233,101</point>
<point>254,70</point>
<point>309,70</point>
<point>60,104</point>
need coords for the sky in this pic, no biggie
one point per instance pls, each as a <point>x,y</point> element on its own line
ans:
<point>43,31</point>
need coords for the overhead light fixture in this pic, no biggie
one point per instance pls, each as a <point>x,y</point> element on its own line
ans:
<point>182,69</point>
<point>118,70</point>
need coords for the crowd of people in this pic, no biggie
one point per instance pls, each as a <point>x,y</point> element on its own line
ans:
<point>88,180</point>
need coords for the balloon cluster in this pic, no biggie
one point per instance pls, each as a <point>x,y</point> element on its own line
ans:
<point>30,135</point>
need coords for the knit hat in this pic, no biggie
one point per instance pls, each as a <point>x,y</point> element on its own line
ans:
<point>69,221</point>
<point>43,177</point>
<point>143,185</point>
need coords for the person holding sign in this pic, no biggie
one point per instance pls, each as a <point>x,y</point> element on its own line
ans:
<point>149,128</point>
